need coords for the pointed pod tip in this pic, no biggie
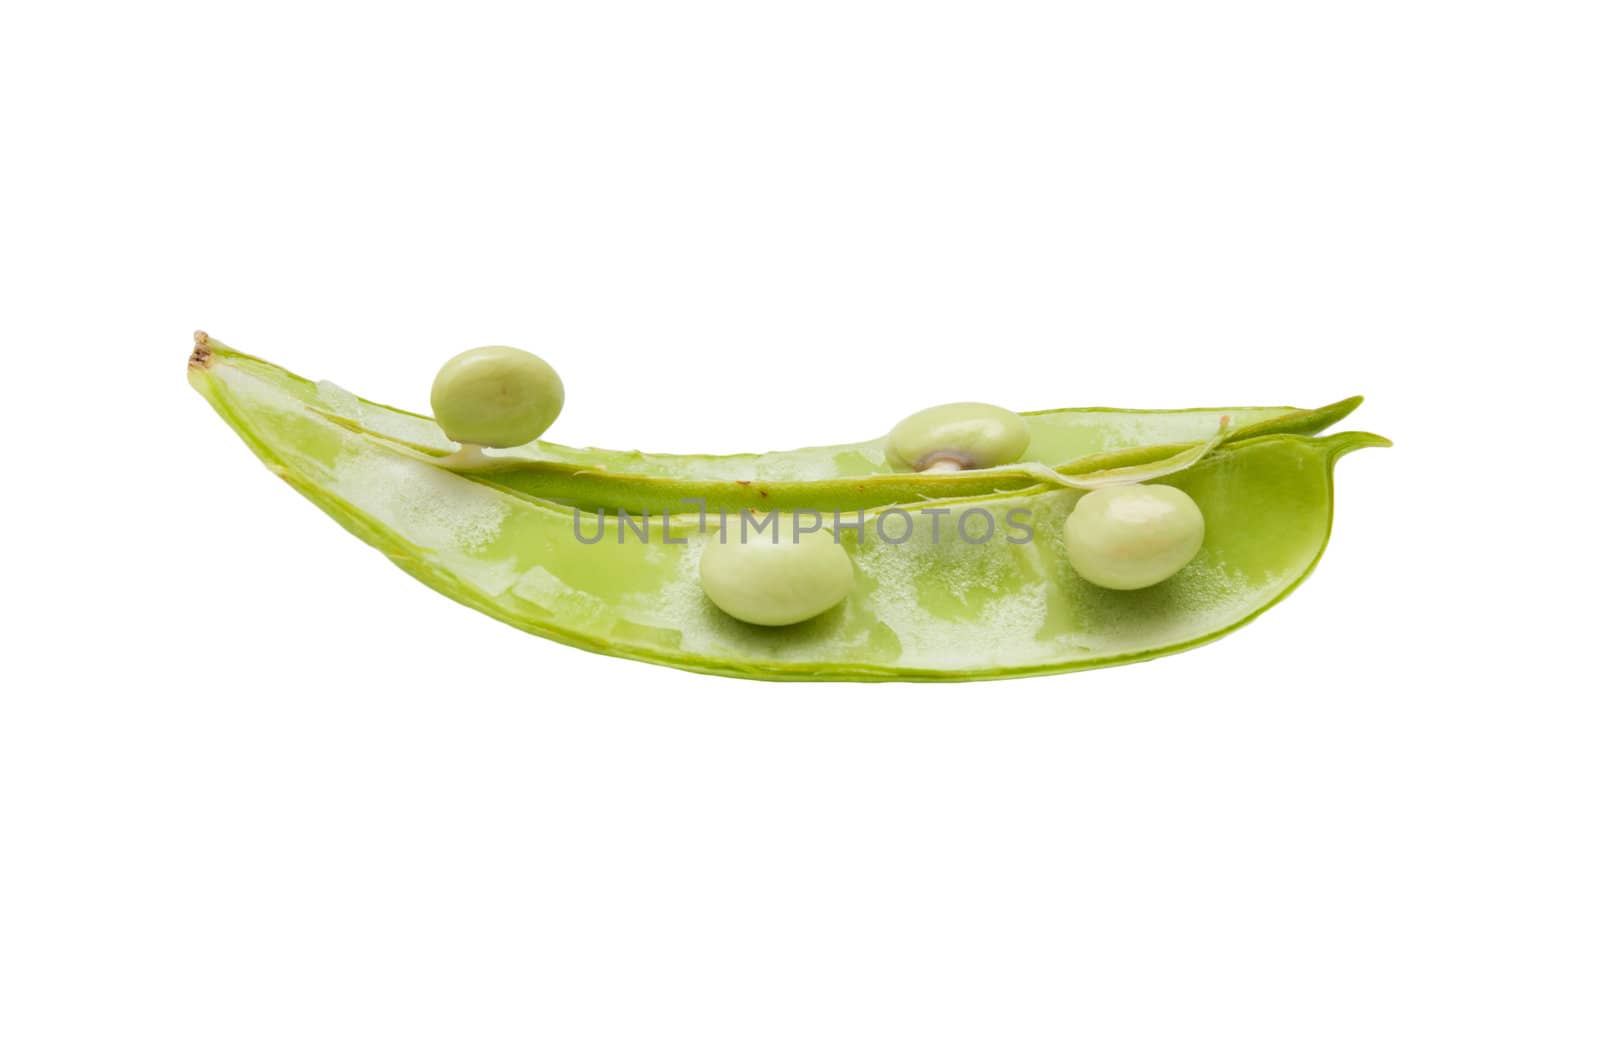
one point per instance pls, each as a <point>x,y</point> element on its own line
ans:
<point>1349,441</point>
<point>1338,410</point>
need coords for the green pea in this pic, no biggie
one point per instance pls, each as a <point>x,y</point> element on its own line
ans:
<point>1131,536</point>
<point>775,584</point>
<point>959,436</point>
<point>496,396</point>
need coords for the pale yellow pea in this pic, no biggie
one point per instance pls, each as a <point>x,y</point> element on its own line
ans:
<point>775,584</point>
<point>959,436</point>
<point>1131,536</point>
<point>498,397</point>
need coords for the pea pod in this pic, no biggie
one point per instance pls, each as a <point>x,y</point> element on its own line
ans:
<point>920,608</point>
<point>847,477</point>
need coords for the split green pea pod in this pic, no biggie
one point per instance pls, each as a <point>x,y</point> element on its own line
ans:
<point>1149,532</point>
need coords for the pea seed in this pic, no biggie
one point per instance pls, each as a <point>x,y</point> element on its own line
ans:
<point>496,396</point>
<point>775,584</point>
<point>1128,537</point>
<point>959,436</point>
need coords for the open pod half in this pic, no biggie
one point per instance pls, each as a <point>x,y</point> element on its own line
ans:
<point>1075,442</point>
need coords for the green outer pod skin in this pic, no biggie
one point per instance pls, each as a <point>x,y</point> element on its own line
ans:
<point>919,609</point>
<point>848,477</point>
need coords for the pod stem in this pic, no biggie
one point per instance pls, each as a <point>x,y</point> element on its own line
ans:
<point>467,457</point>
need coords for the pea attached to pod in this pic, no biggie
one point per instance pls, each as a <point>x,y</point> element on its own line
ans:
<point>1128,537</point>
<point>496,397</point>
<point>758,580</point>
<point>959,436</point>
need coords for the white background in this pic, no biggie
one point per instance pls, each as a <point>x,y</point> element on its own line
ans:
<point>257,784</point>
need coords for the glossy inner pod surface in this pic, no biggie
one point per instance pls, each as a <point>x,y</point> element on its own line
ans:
<point>924,608</point>
<point>844,476</point>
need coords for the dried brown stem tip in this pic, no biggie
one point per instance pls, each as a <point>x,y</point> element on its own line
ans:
<point>201,357</point>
